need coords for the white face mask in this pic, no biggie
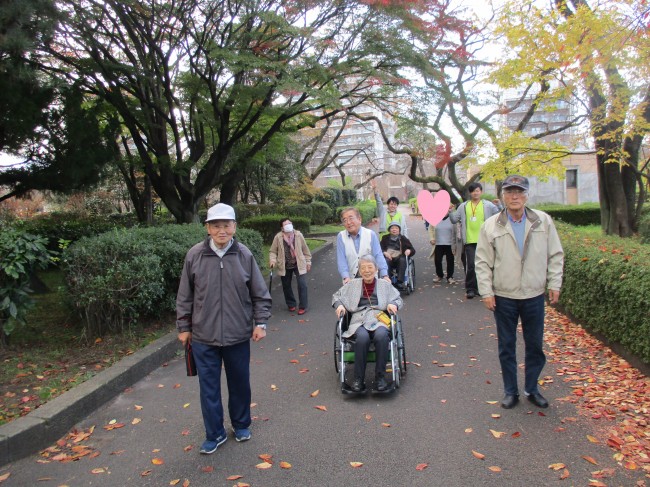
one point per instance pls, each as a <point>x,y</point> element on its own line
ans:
<point>288,228</point>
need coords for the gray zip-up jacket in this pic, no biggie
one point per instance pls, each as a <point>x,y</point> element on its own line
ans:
<point>220,298</point>
<point>502,271</point>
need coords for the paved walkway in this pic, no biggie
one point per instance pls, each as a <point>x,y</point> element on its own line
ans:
<point>442,427</point>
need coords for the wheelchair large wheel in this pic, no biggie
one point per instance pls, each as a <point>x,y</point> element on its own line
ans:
<point>401,350</point>
<point>337,351</point>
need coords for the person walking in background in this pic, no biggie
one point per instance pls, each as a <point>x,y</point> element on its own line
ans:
<point>518,257</point>
<point>444,239</point>
<point>290,254</point>
<point>354,242</point>
<point>388,215</point>
<point>396,248</point>
<point>471,214</point>
<point>222,303</point>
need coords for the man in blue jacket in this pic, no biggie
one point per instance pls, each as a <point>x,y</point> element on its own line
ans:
<point>222,303</point>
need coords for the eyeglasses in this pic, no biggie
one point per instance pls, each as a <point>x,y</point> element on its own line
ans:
<point>349,219</point>
<point>515,192</point>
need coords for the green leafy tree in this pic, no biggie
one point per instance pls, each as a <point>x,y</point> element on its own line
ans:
<point>191,78</point>
<point>597,53</point>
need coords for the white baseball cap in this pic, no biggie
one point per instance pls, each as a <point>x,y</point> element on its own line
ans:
<point>220,211</point>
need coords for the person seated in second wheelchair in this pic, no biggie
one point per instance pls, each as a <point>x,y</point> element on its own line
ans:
<point>365,298</point>
<point>396,248</point>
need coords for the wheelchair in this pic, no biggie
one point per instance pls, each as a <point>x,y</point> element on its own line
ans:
<point>409,276</point>
<point>344,353</point>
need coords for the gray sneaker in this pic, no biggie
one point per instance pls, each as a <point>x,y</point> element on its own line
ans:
<point>437,279</point>
<point>451,280</point>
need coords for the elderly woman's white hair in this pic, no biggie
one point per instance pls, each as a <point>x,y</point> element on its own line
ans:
<point>368,258</point>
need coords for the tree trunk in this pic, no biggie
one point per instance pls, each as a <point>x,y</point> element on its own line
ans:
<point>613,202</point>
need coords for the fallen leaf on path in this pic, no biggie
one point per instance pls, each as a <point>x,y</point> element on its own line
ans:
<point>266,457</point>
<point>207,469</point>
<point>264,465</point>
<point>592,439</point>
<point>235,477</point>
<point>98,470</point>
<point>386,425</point>
<point>356,464</point>
<point>158,461</point>
<point>146,473</point>
<point>469,430</point>
<point>421,466</point>
<point>285,465</point>
<point>315,393</point>
<point>590,459</point>
<point>495,416</point>
<point>494,468</point>
<point>136,420</point>
<point>557,466</point>
<point>498,434</point>
<point>174,482</point>
<point>565,474</point>
<point>322,408</point>
<point>4,476</point>
<point>478,455</point>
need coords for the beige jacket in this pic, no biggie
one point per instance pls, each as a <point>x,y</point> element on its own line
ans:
<point>277,258</point>
<point>502,271</point>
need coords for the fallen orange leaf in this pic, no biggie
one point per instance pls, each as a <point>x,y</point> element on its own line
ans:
<point>138,408</point>
<point>98,470</point>
<point>565,474</point>
<point>266,457</point>
<point>235,477</point>
<point>356,464</point>
<point>494,468</point>
<point>146,472</point>
<point>592,439</point>
<point>368,417</point>
<point>4,476</point>
<point>516,434</point>
<point>630,465</point>
<point>596,483</point>
<point>207,469</point>
<point>495,416</point>
<point>322,408</point>
<point>469,430</point>
<point>590,459</point>
<point>498,434</point>
<point>174,482</point>
<point>264,465</point>
<point>386,425</point>
<point>158,461</point>
<point>315,393</point>
<point>478,455</point>
<point>286,465</point>
<point>186,483</point>
<point>136,420</point>
<point>557,466</point>
<point>421,466</point>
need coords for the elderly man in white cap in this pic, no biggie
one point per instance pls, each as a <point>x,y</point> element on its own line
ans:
<point>222,303</point>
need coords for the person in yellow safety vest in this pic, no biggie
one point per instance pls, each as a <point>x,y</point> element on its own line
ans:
<point>388,214</point>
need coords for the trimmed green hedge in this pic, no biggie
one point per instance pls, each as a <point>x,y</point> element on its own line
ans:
<point>268,225</point>
<point>607,287</point>
<point>321,213</point>
<point>118,276</point>
<point>579,215</point>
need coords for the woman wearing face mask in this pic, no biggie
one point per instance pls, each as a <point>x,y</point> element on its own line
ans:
<point>290,255</point>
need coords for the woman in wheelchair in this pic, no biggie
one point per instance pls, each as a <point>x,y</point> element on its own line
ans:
<point>396,248</point>
<point>365,298</point>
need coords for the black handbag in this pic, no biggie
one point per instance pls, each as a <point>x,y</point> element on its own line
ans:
<point>190,365</point>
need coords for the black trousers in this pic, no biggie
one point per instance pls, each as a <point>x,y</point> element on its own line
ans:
<point>398,263</point>
<point>439,252</point>
<point>470,271</point>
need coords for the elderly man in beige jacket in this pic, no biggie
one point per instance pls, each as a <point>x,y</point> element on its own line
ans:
<point>518,257</point>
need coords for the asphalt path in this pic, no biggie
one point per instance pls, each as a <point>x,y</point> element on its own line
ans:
<point>426,433</point>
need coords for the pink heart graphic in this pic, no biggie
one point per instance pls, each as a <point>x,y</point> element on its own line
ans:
<point>433,208</point>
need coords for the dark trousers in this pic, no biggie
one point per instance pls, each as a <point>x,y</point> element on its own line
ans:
<point>470,272</point>
<point>439,252</point>
<point>507,314</point>
<point>399,264</point>
<point>288,291</point>
<point>236,362</point>
<point>381,338</point>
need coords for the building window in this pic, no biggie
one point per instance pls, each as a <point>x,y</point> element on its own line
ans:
<point>571,178</point>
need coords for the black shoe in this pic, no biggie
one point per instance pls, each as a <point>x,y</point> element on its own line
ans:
<point>509,401</point>
<point>471,294</point>
<point>380,384</point>
<point>358,386</point>
<point>538,400</point>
